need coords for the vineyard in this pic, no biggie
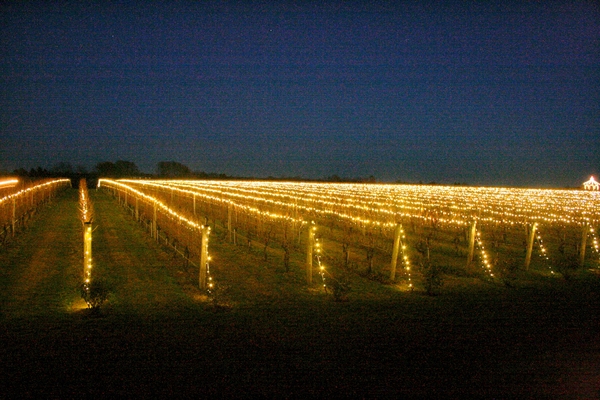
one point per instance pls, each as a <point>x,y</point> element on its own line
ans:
<point>92,304</point>
<point>19,201</point>
<point>397,234</point>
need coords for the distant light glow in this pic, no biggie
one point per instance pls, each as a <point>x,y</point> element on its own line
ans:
<point>8,183</point>
<point>591,184</point>
<point>385,204</point>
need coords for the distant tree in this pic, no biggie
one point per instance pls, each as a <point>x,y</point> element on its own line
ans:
<point>106,169</point>
<point>62,169</point>
<point>126,169</point>
<point>172,169</point>
<point>38,172</point>
<point>119,169</point>
<point>22,172</point>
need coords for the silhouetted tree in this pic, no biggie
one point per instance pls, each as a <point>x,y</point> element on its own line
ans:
<point>126,169</point>
<point>172,169</point>
<point>62,169</point>
<point>119,169</point>
<point>106,169</point>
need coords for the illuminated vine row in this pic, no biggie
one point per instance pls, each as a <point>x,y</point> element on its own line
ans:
<point>372,209</point>
<point>162,208</point>
<point>21,201</point>
<point>384,205</point>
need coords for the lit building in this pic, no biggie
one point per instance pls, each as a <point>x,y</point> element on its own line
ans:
<point>591,184</point>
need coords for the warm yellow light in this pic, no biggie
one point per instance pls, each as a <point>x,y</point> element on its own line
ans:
<point>8,183</point>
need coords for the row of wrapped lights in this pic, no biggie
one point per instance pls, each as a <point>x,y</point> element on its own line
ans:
<point>485,259</point>
<point>595,243</point>
<point>365,199</point>
<point>517,205</point>
<point>543,252</point>
<point>86,215</point>
<point>170,212</point>
<point>29,189</point>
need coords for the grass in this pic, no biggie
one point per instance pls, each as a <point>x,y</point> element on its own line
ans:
<point>157,335</point>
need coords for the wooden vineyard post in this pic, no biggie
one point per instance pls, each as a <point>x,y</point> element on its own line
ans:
<point>87,251</point>
<point>472,235</point>
<point>584,235</point>
<point>194,204</point>
<point>229,222</point>
<point>14,216</point>
<point>137,210</point>
<point>530,241</point>
<point>203,257</point>
<point>154,225</point>
<point>395,251</point>
<point>309,253</point>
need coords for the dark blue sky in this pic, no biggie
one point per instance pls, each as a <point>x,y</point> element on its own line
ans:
<point>484,93</point>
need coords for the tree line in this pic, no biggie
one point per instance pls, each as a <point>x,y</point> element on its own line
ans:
<point>164,170</point>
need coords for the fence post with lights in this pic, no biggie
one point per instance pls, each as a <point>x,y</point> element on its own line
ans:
<point>584,235</point>
<point>229,230</point>
<point>154,224</point>
<point>87,251</point>
<point>309,252</point>
<point>205,230</point>
<point>595,243</point>
<point>472,234</point>
<point>530,241</point>
<point>14,215</point>
<point>395,251</point>
<point>86,211</point>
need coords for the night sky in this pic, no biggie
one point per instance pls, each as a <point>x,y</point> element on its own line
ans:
<point>473,92</point>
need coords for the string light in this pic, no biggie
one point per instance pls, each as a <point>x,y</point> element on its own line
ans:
<point>32,189</point>
<point>543,252</point>
<point>405,259</point>
<point>319,263</point>
<point>485,260</point>
<point>8,183</point>
<point>169,212</point>
<point>381,205</point>
<point>86,218</point>
<point>10,202</point>
<point>595,243</point>
<point>378,205</point>
<point>210,283</point>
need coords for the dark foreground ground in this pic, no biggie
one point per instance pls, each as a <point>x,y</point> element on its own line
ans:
<point>153,338</point>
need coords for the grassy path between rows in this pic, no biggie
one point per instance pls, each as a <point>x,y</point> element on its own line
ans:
<point>37,269</point>
<point>157,337</point>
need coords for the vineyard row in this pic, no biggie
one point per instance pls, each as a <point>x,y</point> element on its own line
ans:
<point>362,220</point>
<point>20,201</point>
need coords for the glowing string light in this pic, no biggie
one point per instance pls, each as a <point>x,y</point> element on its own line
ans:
<point>8,183</point>
<point>319,263</point>
<point>543,252</point>
<point>381,205</point>
<point>405,260</point>
<point>595,243</point>
<point>485,260</point>
<point>170,213</point>
<point>32,189</point>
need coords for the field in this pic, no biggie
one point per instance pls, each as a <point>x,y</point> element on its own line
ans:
<point>265,330</point>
